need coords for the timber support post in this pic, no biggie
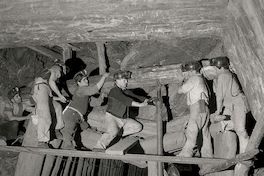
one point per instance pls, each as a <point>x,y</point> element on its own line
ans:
<point>101,57</point>
<point>66,52</point>
<point>156,168</point>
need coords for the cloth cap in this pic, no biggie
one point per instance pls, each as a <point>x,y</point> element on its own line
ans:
<point>80,75</point>
<point>122,74</point>
<point>13,92</point>
<point>189,66</point>
<point>220,62</point>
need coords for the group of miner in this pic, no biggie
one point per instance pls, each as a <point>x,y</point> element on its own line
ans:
<point>230,114</point>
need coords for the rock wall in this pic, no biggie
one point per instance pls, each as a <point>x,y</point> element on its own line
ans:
<point>19,66</point>
<point>244,43</point>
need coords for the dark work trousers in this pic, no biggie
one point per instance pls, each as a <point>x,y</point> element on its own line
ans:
<point>71,119</point>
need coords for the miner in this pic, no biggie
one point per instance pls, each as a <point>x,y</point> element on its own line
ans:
<point>42,95</point>
<point>77,108</point>
<point>230,100</point>
<point>119,99</point>
<point>12,109</point>
<point>197,99</point>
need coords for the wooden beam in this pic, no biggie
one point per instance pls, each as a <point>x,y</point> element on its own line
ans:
<point>122,146</point>
<point>159,129</point>
<point>54,22</point>
<point>101,57</point>
<point>57,166</point>
<point>47,165</point>
<point>74,48</point>
<point>231,162</point>
<point>144,77</point>
<point>141,77</point>
<point>29,163</point>
<point>152,168</point>
<point>89,154</point>
<point>79,167</point>
<point>46,52</point>
<point>66,52</point>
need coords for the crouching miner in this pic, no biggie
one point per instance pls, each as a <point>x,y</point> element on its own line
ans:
<point>73,113</point>
<point>197,99</point>
<point>119,99</point>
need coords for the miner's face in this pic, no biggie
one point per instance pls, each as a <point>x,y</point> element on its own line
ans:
<point>58,74</point>
<point>185,74</point>
<point>84,81</point>
<point>210,72</point>
<point>17,99</point>
<point>121,83</point>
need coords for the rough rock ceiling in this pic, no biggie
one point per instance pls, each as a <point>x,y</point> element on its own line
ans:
<point>51,22</point>
<point>149,53</point>
<point>159,32</point>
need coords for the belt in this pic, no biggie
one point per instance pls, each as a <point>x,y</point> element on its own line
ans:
<point>74,109</point>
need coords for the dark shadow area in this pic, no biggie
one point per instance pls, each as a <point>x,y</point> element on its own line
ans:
<point>212,98</point>
<point>183,170</point>
<point>106,60</point>
<point>139,96</point>
<point>259,159</point>
<point>53,120</point>
<point>166,101</point>
<point>73,65</point>
<point>94,72</point>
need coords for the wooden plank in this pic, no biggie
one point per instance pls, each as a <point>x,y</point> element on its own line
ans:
<point>38,22</point>
<point>144,77</point>
<point>122,146</point>
<point>85,167</point>
<point>67,166</point>
<point>88,154</point>
<point>66,52</point>
<point>152,168</point>
<point>28,163</point>
<point>48,165</point>
<point>79,167</point>
<point>71,46</point>
<point>46,52</point>
<point>56,166</point>
<point>91,166</point>
<point>159,168</point>
<point>223,166</point>
<point>101,57</point>
<point>73,167</point>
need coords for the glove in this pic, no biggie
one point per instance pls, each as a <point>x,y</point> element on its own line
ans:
<point>152,101</point>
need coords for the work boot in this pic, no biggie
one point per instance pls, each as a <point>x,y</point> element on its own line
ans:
<point>68,146</point>
<point>186,153</point>
<point>55,143</point>
<point>58,134</point>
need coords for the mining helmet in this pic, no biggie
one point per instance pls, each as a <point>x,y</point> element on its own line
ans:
<point>80,75</point>
<point>220,62</point>
<point>190,66</point>
<point>13,92</point>
<point>122,74</point>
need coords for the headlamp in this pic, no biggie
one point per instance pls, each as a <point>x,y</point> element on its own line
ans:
<point>122,74</point>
